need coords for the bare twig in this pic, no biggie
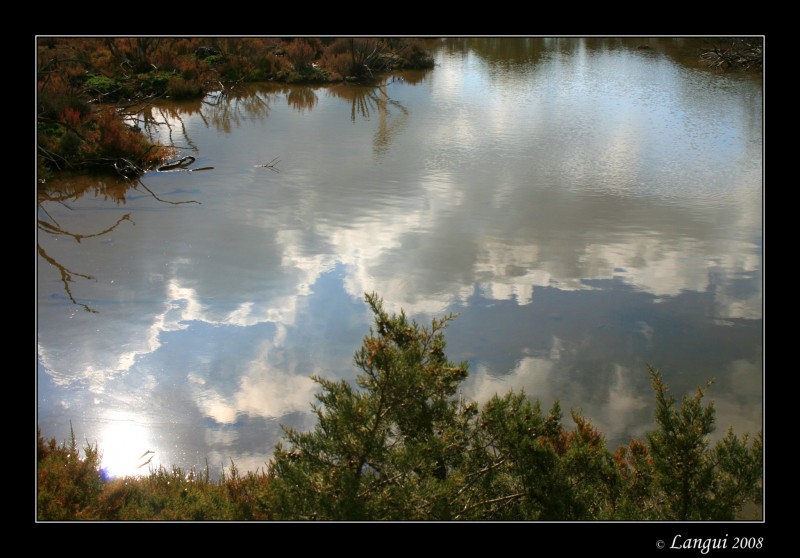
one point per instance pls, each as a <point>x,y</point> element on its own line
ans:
<point>52,157</point>
<point>48,214</point>
<point>48,228</point>
<point>165,201</point>
<point>181,163</point>
<point>65,124</point>
<point>142,103</point>
<point>731,53</point>
<point>128,168</point>
<point>271,165</point>
<point>66,277</point>
<point>492,501</point>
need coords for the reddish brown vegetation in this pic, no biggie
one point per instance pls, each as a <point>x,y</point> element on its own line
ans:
<point>81,79</point>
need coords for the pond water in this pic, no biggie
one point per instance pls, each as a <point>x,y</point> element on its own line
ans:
<point>587,207</point>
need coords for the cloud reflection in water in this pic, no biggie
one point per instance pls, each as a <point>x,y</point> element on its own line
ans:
<point>576,250</point>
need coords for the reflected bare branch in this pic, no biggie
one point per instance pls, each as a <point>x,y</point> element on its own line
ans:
<point>73,191</point>
<point>51,229</point>
<point>142,184</point>
<point>50,216</point>
<point>153,119</point>
<point>66,278</point>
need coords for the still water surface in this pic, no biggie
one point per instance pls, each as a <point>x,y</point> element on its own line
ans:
<point>585,206</point>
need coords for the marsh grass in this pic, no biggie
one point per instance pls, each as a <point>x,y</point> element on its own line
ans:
<point>71,486</point>
<point>67,484</point>
<point>81,81</point>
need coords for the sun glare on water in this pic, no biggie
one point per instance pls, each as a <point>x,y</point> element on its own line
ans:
<point>126,448</point>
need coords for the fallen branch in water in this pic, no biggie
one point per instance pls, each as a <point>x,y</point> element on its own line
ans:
<point>181,164</point>
<point>271,165</point>
<point>733,53</point>
<point>126,168</point>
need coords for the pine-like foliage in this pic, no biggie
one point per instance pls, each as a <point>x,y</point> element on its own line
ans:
<point>383,449</point>
<point>399,445</point>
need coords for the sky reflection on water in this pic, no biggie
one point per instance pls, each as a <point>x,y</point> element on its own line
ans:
<point>585,209</point>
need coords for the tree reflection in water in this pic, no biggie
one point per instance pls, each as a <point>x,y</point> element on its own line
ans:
<point>223,110</point>
<point>301,98</point>
<point>365,100</point>
<point>73,190</point>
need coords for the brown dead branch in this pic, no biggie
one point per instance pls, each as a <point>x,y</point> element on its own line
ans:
<point>52,229</point>
<point>271,165</point>
<point>164,201</point>
<point>735,53</point>
<point>66,278</point>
